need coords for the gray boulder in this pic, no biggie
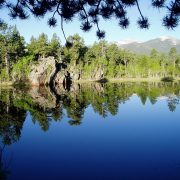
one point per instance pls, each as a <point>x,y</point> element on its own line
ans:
<point>42,71</point>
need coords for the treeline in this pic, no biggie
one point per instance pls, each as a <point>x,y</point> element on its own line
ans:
<point>17,57</point>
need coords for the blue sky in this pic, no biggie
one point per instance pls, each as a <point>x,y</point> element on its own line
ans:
<point>34,26</point>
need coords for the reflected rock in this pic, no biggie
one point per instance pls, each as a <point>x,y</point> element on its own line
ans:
<point>42,96</point>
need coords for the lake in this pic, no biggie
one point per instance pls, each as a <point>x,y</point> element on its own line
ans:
<point>112,131</point>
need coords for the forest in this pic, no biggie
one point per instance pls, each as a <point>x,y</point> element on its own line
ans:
<point>17,58</point>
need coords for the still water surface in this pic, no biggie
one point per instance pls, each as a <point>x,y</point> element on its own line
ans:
<point>125,131</point>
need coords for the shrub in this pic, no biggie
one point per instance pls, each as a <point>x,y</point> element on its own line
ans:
<point>103,80</point>
<point>167,79</point>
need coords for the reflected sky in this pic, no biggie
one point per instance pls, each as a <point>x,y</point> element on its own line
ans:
<point>139,141</point>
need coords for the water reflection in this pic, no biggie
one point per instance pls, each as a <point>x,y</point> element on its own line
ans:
<point>3,168</point>
<point>46,106</point>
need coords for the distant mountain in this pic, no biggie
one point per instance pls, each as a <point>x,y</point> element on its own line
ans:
<point>161,44</point>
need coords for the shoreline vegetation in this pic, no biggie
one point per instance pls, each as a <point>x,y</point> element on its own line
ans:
<point>112,80</point>
<point>47,62</point>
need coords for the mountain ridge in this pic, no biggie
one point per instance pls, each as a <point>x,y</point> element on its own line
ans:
<point>162,44</point>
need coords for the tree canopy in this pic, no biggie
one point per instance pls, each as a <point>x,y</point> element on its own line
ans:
<point>91,11</point>
<point>102,59</point>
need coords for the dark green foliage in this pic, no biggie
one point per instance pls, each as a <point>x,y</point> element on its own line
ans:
<point>167,79</point>
<point>41,47</point>
<point>12,47</point>
<point>11,43</point>
<point>75,53</point>
<point>103,80</point>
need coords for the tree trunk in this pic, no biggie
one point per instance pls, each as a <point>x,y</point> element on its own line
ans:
<point>174,66</point>
<point>7,64</point>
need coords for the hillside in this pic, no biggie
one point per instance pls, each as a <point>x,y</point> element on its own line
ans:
<point>162,44</point>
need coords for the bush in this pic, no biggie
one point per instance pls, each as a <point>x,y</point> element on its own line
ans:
<point>167,79</point>
<point>103,80</point>
<point>21,69</point>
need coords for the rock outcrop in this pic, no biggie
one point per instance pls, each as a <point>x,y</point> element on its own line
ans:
<point>47,71</point>
<point>98,74</point>
<point>42,71</point>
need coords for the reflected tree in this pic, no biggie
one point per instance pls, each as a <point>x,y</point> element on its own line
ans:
<point>11,122</point>
<point>104,99</point>
<point>172,103</point>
